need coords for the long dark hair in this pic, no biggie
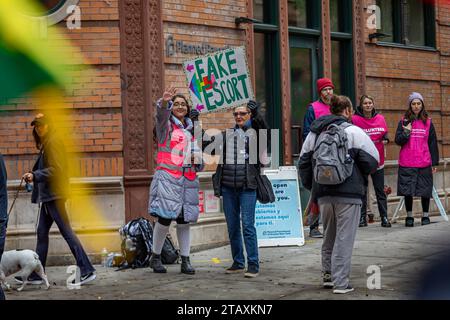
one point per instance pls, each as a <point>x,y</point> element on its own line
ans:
<point>37,139</point>
<point>423,114</point>
<point>155,139</point>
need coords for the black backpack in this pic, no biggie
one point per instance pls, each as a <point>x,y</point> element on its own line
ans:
<point>136,246</point>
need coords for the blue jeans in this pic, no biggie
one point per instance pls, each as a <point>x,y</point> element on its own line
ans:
<point>237,203</point>
<point>55,211</point>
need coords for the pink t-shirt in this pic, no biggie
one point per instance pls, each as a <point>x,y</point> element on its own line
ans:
<point>376,129</point>
<point>415,153</point>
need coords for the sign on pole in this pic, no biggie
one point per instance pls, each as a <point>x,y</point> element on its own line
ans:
<point>280,223</point>
<point>219,80</point>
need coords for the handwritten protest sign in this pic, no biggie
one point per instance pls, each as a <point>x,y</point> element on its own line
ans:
<point>219,81</point>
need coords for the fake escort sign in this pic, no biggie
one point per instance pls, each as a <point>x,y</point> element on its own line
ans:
<point>280,223</point>
<point>219,81</point>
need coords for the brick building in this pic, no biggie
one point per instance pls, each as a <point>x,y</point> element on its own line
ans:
<point>136,47</point>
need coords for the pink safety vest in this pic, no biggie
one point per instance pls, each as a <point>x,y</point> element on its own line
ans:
<point>320,109</point>
<point>415,153</point>
<point>171,154</point>
<point>375,128</point>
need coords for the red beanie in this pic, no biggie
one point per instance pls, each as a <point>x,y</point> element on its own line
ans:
<point>323,83</point>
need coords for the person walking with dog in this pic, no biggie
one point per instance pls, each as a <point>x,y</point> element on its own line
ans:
<point>316,110</point>
<point>419,156</point>
<point>335,160</point>
<point>51,190</point>
<point>3,211</point>
<point>175,186</point>
<point>374,124</point>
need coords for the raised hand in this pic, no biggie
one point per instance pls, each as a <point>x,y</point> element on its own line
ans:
<point>169,93</point>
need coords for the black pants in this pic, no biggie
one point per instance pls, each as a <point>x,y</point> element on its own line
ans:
<point>409,204</point>
<point>378,185</point>
<point>55,211</point>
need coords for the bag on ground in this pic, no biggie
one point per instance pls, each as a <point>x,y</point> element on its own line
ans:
<point>136,246</point>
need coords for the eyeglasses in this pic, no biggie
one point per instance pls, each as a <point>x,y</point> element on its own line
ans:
<point>242,114</point>
<point>178,104</point>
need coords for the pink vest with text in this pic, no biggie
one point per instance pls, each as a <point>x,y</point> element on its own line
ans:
<point>320,109</point>
<point>415,153</point>
<point>375,128</point>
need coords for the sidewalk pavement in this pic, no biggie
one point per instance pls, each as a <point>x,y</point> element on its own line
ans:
<point>286,272</point>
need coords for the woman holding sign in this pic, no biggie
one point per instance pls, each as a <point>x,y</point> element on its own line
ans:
<point>235,180</point>
<point>175,186</point>
<point>418,158</point>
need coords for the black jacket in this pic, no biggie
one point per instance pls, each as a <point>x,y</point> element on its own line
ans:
<point>240,166</point>
<point>402,138</point>
<point>3,190</point>
<point>3,205</point>
<point>416,182</point>
<point>361,149</point>
<point>51,179</point>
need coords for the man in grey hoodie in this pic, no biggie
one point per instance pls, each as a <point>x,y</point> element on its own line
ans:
<point>340,204</point>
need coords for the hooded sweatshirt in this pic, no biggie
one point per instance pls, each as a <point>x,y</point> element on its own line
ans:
<point>360,148</point>
<point>375,127</point>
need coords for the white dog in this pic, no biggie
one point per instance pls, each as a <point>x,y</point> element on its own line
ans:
<point>25,261</point>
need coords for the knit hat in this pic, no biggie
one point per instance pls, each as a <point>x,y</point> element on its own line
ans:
<point>323,83</point>
<point>413,96</point>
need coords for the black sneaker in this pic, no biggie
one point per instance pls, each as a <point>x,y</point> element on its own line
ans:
<point>35,281</point>
<point>344,291</point>
<point>85,279</point>
<point>315,233</point>
<point>425,221</point>
<point>327,282</point>
<point>234,269</point>
<point>252,272</point>
<point>409,222</point>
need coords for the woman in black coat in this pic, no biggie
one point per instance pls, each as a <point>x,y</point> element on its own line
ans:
<point>51,190</point>
<point>419,156</point>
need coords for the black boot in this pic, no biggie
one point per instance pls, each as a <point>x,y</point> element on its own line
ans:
<point>156,264</point>
<point>363,220</point>
<point>186,266</point>
<point>385,222</point>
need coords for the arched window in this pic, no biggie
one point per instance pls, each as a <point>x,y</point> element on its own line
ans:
<point>53,11</point>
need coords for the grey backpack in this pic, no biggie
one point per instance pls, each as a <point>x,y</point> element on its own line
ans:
<point>332,162</point>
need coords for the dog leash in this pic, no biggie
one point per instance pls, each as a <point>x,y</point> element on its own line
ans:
<point>16,196</point>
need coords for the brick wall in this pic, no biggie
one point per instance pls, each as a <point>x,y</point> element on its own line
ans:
<point>94,101</point>
<point>393,73</point>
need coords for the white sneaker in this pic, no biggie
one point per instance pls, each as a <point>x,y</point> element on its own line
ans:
<point>344,291</point>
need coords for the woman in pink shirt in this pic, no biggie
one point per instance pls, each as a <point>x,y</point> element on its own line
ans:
<point>419,156</point>
<point>375,126</point>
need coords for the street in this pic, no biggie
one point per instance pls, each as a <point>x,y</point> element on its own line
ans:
<point>286,272</point>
